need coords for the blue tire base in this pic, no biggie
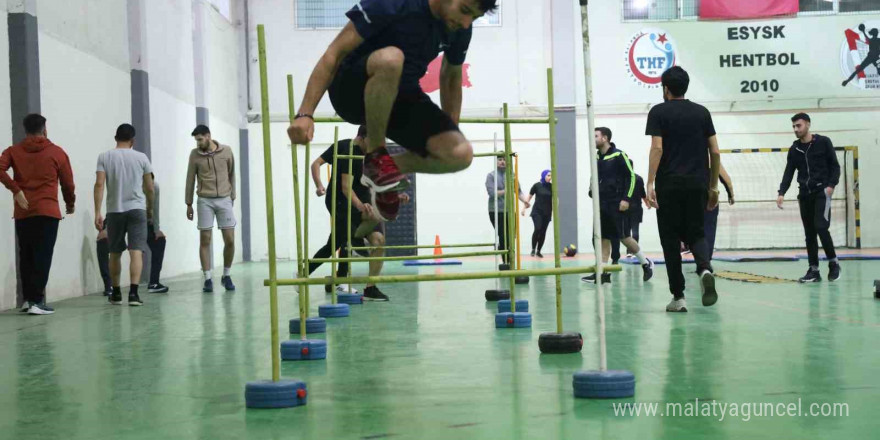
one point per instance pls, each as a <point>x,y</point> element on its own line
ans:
<point>269,394</point>
<point>304,350</point>
<point>611,384</point>
<point>522,305</point>
<point>313,325</point>
<point>333,310</point>
<point>349,298</point>
<point>513,320</point>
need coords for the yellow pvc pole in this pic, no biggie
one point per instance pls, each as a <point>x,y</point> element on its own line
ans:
<point>333,216</point>
<point>551,110</point>
<point>510,200</point>
<point>516,190</point>
<point>303,299</point>
<point>270,209</point>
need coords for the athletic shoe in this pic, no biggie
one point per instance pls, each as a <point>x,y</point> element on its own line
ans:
<point>25,308</point>
<point>533,253</point>
<point>226,281</point>
<point>833,271</point>
<point>40,309</point>
<point>345,288</point>
<point>134,300</point>
<point>591,278</point>
<point>812,276</point>
<point>208,287</point>
<point>630,255</point>
<point>108,292</point>
<point>686,252</point>
<point>387,204</point>
<point>157,288</point>
<point>677,305</point>
<point>539,255</point>
<point>648,269</point>
<point>373,293</point>
<point>381,173</point>
<point>707,285</point>
<point>115,297</point>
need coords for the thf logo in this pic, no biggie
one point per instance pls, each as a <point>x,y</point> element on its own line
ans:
<point>650,52</point>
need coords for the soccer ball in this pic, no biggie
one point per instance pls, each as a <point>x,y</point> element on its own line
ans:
<point>570,250</point>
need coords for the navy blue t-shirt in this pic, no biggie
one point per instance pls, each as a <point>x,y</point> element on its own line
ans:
<point>409,26</point>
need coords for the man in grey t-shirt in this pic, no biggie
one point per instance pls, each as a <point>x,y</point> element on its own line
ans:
<point>128,177</point>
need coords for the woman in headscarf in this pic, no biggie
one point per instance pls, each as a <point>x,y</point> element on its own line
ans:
<point>542,211</point>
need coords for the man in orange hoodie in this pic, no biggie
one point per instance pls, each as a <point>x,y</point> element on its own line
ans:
<point>38,165</point>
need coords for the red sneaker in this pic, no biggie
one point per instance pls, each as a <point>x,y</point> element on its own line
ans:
<point>387,204</point>
<point>381,173</point>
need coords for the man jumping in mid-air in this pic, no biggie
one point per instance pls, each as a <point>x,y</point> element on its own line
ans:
<point>873,56</point>
<point>372,71</point>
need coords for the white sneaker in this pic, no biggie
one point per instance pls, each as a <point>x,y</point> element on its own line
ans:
<point>346,288</point>
<point>677,305</point>
<point>707,285</point>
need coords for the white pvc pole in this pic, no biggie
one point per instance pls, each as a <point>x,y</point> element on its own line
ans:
<point>594,184</point>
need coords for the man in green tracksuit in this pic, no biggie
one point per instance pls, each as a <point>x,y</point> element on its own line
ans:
<point>617,183</point>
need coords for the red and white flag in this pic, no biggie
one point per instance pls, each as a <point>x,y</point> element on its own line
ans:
<point>732,9</point>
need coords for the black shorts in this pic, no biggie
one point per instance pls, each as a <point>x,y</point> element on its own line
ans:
<point>414,118</point>
<point>616,225</point>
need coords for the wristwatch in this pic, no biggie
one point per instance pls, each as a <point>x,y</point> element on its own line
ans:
<point>304,115</point>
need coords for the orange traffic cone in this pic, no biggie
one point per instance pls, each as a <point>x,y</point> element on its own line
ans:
<point>437,250</point>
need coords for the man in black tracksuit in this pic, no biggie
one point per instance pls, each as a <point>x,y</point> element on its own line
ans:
<point>617,183</point>
<point>813,157</point>
<point>635,214</point>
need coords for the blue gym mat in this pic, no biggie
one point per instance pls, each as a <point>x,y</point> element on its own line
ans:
<point>740,259</point>
<point>635,261</point>
<point>845,257</point>
<point>432,263</point>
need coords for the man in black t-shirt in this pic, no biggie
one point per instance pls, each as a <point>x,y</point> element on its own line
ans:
<point>364,222</point>
<point>686,182</point>
<point>372,71</point>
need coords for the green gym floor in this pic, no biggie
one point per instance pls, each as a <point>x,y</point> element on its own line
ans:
<point>430,363</point>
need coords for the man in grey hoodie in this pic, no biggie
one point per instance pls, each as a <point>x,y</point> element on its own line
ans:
<point>213,165</point>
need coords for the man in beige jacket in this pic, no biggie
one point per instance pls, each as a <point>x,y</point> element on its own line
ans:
<point>214,166</point>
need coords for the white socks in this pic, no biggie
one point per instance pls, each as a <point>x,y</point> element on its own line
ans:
<point>641,257</point>
<point>226,271</point>
<point>207,274</point>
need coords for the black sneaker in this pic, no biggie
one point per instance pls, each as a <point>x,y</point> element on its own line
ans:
<point>833,271</point>
<point>812,276</point>
<point>373,293</point>
<point>226,281</point>
<point>648,269</point>
<point>115,297</point>
<point>134,300</point>
<point>533,253</point>
<point>108,291</point>
<point>538,254</point>
<point>591,278</point>
<point>208,287</point>
<point>157,288</point>
<point>40,309</point>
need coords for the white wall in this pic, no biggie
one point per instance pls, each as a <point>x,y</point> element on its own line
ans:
<point>86,93</point>
<point>7,227</point>
<point>85,90</point>
<point>848,115</point>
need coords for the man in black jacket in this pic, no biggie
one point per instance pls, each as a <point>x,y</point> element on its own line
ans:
<point>813,157</point>
<point>617,182</point>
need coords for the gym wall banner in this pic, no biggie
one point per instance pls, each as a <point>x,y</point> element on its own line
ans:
<point>774,59</point>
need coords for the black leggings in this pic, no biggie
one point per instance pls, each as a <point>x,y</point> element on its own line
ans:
<point>501,229</point>
<point>541,222</point>
<point>341,238</point>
